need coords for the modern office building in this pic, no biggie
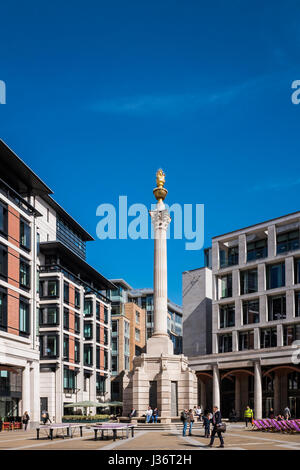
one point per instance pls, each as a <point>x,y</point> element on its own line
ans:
<point>54,318</point>
<point>245,354</point>
<point>132,325</point>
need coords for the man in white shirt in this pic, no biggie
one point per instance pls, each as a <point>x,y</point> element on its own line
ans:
<point>149,414</point>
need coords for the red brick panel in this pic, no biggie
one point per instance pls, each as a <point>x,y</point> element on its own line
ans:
<point>101,358</point>
<point>101,334</point>
<point>101,312</point>
<point>13,226</point>
<point>71,295</point>
<point>72,321</point>
<point>71,349</point>
<point>12,312</point>
<point>13,267</point>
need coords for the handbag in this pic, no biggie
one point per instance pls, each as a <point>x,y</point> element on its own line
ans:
<point>221,427</point>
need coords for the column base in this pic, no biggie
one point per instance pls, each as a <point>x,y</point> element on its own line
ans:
<point>159,344</point>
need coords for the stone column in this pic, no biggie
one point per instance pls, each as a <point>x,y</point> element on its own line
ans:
<point>216,386</point>
<point>160,342</point>
<point>58,394</point>
<point>35,393</point>
<point>26,389</point>
<point>257,391</point>
<point>238,396</point>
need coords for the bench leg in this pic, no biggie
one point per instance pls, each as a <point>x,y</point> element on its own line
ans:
<point>96,431</point>
<point>80,431</point>
<point>37,433</point>
<point>114,434</point>
<point>51,434</point>
<point>132,432</point>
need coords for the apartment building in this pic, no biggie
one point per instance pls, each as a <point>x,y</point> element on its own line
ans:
<point>55,318</point>
<point>251,289</point>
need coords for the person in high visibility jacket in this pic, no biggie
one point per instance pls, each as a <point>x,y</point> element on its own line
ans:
<point>248,415</point>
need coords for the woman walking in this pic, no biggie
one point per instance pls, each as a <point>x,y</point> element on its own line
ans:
<point>25,420</point>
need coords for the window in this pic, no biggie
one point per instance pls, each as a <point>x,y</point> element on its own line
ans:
<point>114,328</point>
<point>25,236</point>
<point>294,381</point>
<point>137,335</point>
<point>137,317</point>
<point>88,330</point>
<point>73,240</point>
<point>287,241</point>
<point>126,329</point>
<point>126,362</point>
<point>126,345</point>
<point>66,292</point>
<point>24,317</point>
<point>3,309</point>
<point>275,275</point>
<point>276,307</point>
<point>105,359</point>
<point>97,357</point>
<point>77,351</point>
<point>257,250</point>
<point>88,307</point>
<point>105,336</point>
<point>77,323</point>
<point>88,355</point>
<point>249,281</point>
<point>114,345</point>
<point>49,315</point>
<point>66,347</point>
<point>226,286</point>
<point>100,384</point>
<point>227,315</point>
<point>97,333</point>
<point>268,338</point>
<point>246,340</point>
<point>291,333</point>
<point>38,238</point>
<point>48,288</point>
<point>105,315</point>
<point>149,318</point>
<point>97,310</point>
<point>66,319</point>
<point>3,219</point>
<point>229,257</point>
<point>114,364</point>
<point>250,311</point>
<point>3,261</point>
<point>225,343</point>
<point>77,298</point>
<point>49,346</point>
<point>24,274</point>
<point>297,304</point>
<point>297,271</point>
<point>70,379</point>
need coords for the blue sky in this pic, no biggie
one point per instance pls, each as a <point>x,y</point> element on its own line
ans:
<point>102,94</point>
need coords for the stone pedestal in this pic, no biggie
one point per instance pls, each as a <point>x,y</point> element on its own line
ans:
<point>163,369</point>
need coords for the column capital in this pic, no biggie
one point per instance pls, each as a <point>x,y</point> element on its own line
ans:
<point>160,218</point>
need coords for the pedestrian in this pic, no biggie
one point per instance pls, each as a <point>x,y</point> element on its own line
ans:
<point>132,413</point>
<point>1,423</point>
<point>184,419</point>
<point>155,415</point>
<point>248,415</point>
<point>190,420</point>
<point>216,422</point>
<point>148,414</point>
<point>45,417</point>
<point>198,412</point>
<point>206,423</point>
<point>25,420</point>
<point>287,413</point>
<point>271,414</point>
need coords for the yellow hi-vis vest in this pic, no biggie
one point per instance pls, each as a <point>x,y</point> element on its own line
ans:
<point>248,413</point>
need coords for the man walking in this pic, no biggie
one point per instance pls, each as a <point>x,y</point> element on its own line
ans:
<point>287,413</point>
<point>216,421</point>
<point>248,415</point>
<point>184,419</point>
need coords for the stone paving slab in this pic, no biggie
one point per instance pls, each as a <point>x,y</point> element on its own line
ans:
<point>237,438</point>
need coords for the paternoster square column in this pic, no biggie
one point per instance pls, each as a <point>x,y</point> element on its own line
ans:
<point>160,342</point>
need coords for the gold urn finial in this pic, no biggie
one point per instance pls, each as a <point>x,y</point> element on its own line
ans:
<point>160,192</point>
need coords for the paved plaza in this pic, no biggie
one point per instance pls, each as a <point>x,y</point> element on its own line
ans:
<point>236,438</point>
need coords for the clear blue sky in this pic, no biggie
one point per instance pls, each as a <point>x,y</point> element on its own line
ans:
<point>101,94</point>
